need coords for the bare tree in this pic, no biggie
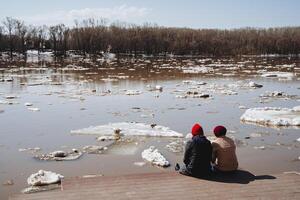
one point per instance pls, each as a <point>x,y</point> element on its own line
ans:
<point>9,25</point>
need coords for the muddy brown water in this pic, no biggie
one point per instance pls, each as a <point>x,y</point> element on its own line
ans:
<point>76,101</point>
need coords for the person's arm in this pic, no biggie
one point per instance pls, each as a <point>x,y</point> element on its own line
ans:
<point>187,153</point>
<point>214,152</point>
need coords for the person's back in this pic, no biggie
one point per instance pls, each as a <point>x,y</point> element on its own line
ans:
<point>198,152</point>
<point>224,155</point>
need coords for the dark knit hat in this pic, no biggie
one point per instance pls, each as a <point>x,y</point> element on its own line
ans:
<point>197,130</point>
<point>220,131</point>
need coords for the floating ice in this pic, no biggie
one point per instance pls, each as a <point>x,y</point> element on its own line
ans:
<point>33,109</point>
<point>197,69</point>
<point>255,135</point>
<point>106,137</point>
<point>133,92</point>
<point>34,189</point>
<point>60,155</point>
<point>94,149</point>
<point>140,164</point>
<point>8,102</point>
<point>129,129</point>
<point>260,147</point>
<point>273,94</point>
<point>287,75</point>
<point>157,87</point>
<point>35,149</point>
<point>175,146</point>
<point>254,85</point>
<point>229,92</point>
<point>28,104</point>
<point>273,116</point>
<point>278,94</point>
<point>44,178</point>
<point>155,157</point>
<point>242,107</point>
<point>8,182</point>
<point>11,97</point>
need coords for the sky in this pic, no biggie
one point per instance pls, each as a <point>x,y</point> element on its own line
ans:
<point>222,14</point>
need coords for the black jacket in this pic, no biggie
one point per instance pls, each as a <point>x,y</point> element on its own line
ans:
<point>197,156</point>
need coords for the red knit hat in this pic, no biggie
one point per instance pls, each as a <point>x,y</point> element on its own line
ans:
<point>197,130</point>
<point>220,131</point>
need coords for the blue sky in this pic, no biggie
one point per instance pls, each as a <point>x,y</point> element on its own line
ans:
<point>187,13</point>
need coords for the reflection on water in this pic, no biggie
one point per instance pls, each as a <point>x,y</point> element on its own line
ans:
<point>77,94</point>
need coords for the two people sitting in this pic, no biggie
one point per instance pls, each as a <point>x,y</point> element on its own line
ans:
<point>202,157</point>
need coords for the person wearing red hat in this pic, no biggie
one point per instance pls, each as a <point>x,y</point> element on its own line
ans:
<point>224,156</point>
<point>198,154</point>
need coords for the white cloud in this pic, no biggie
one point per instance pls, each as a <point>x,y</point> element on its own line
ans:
<point>123,13</point>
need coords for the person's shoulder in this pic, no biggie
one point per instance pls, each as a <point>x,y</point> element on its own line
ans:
<point>189,142</point>
<point>229,139</point>
<point>216,141</point>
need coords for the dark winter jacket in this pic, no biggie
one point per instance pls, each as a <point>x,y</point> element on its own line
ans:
<point>198,155</point>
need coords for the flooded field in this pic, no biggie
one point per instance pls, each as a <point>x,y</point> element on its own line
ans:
<point>48,105</point>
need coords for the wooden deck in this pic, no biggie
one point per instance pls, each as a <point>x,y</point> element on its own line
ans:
<point>242,185</point>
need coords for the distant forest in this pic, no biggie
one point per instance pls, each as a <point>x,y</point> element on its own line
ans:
<point>94,36</point>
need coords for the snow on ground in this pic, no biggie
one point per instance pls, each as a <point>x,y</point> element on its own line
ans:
<point>129,129</point>
<point>273,116</point>
<point>155,157</point>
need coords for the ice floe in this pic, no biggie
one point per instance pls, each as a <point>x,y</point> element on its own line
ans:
<point>129,129</point>
<point>8,182</point>
<point>255,85</point>
<point>197,70</point>
<point>286,75</point>
<point>273,116</point>
<point>43,177</point>
<point>60,155</point>
<point>33,109</point>
<point>94,149</point>
<point>34,189</point>
<point>107,137</point>
<point>278,94</point>
<point>34,149</point>
<point>153,156</point>
<point>28,104</point>
<point>140,164</point>
<point>155,88</point>
<point>133,92</point>
<point>11,97</point>
<point>175,146</point>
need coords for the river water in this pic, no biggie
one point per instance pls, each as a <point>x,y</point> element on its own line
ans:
<point>76,94</point>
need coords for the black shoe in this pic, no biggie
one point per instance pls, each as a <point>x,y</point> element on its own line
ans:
<point>177,167</point>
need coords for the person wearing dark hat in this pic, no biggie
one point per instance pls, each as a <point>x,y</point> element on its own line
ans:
<point>223,157</point>
<point>198,154</point>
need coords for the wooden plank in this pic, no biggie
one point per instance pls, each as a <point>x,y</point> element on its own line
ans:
<point>174,186</point>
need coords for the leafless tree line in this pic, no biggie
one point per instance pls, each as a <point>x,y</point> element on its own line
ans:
<point>94,36</point>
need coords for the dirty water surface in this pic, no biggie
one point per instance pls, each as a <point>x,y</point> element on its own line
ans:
<point>72,107</point>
